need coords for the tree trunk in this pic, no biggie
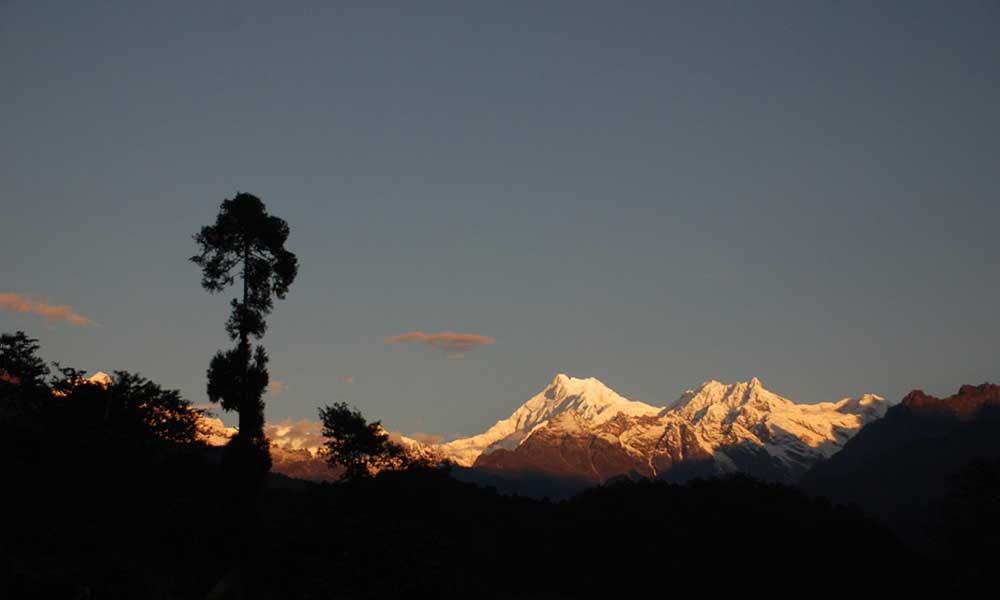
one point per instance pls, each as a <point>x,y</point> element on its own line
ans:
<point>247,413</point>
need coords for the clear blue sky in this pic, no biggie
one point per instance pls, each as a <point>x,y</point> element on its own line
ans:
<point>654,194</point>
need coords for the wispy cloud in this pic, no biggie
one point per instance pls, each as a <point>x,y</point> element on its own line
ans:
<point>56,312</point>
<point>452,343</point>
<point>275,387</point>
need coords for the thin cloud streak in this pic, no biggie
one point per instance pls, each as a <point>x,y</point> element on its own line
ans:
<point>452,343</point>
<point>56,312</point>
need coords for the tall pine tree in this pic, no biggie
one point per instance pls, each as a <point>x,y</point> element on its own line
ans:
<point>248,244</point>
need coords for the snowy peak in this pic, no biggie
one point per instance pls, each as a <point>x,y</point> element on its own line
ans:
<point>740,426</point>
<point>100,378</point>
<point>746,412</point>
<point>588,398</point>
<point>869,406</point>
<point>716,398</point>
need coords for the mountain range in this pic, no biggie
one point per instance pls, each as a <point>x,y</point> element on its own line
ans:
<point>582,430</point>
<point>895,462</point>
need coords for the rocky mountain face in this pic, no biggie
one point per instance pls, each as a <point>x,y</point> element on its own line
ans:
<point>963,406</point>
<point>581,430</point>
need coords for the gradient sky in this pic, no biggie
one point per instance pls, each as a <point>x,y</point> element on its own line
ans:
<point>654,195</point>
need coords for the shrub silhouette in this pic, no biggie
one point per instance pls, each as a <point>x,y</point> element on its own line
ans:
<point>362,448</point>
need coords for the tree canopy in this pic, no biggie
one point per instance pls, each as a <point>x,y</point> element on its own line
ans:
<point>19,361</point>
<point>70,407</point>
<point>249,243</point>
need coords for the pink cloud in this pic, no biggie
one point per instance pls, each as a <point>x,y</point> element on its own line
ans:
<point>23,304</point>
<point>276,387</point>
<point>452,343</point>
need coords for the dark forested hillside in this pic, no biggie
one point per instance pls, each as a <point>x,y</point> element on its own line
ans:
<point>924,455</point>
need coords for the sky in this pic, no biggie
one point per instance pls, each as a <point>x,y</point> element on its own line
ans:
<point>653,194</point>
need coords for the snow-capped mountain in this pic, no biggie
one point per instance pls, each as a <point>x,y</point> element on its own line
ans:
<point>589,398</point>
<point>581,429</point>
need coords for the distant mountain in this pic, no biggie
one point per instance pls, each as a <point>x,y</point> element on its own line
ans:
<point>289,455</point>
<point>578,432</point>
<point>588,398</point>
<point>904,466</point>
<point>582,431</point>
<point>295,447</point>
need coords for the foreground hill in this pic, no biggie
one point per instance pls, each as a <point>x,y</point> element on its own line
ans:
<point>926,453</point>
<point>167,533</point>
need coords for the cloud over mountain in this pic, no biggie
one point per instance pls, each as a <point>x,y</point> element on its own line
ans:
<point>296,435</point>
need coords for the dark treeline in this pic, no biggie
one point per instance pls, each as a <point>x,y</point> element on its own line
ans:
<point>107,494</point>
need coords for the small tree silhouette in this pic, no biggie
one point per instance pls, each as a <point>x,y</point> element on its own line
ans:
<point>362,448</point>
<point>248,243</point>
<point>19,361</point>
<point>23,389</point>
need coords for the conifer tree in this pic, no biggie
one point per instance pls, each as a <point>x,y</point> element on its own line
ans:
<point>248,244</point>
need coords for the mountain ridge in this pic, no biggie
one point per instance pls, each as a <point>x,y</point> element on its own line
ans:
<point>903,466</point>
<point>714,429</point>
<point>581,429</point>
